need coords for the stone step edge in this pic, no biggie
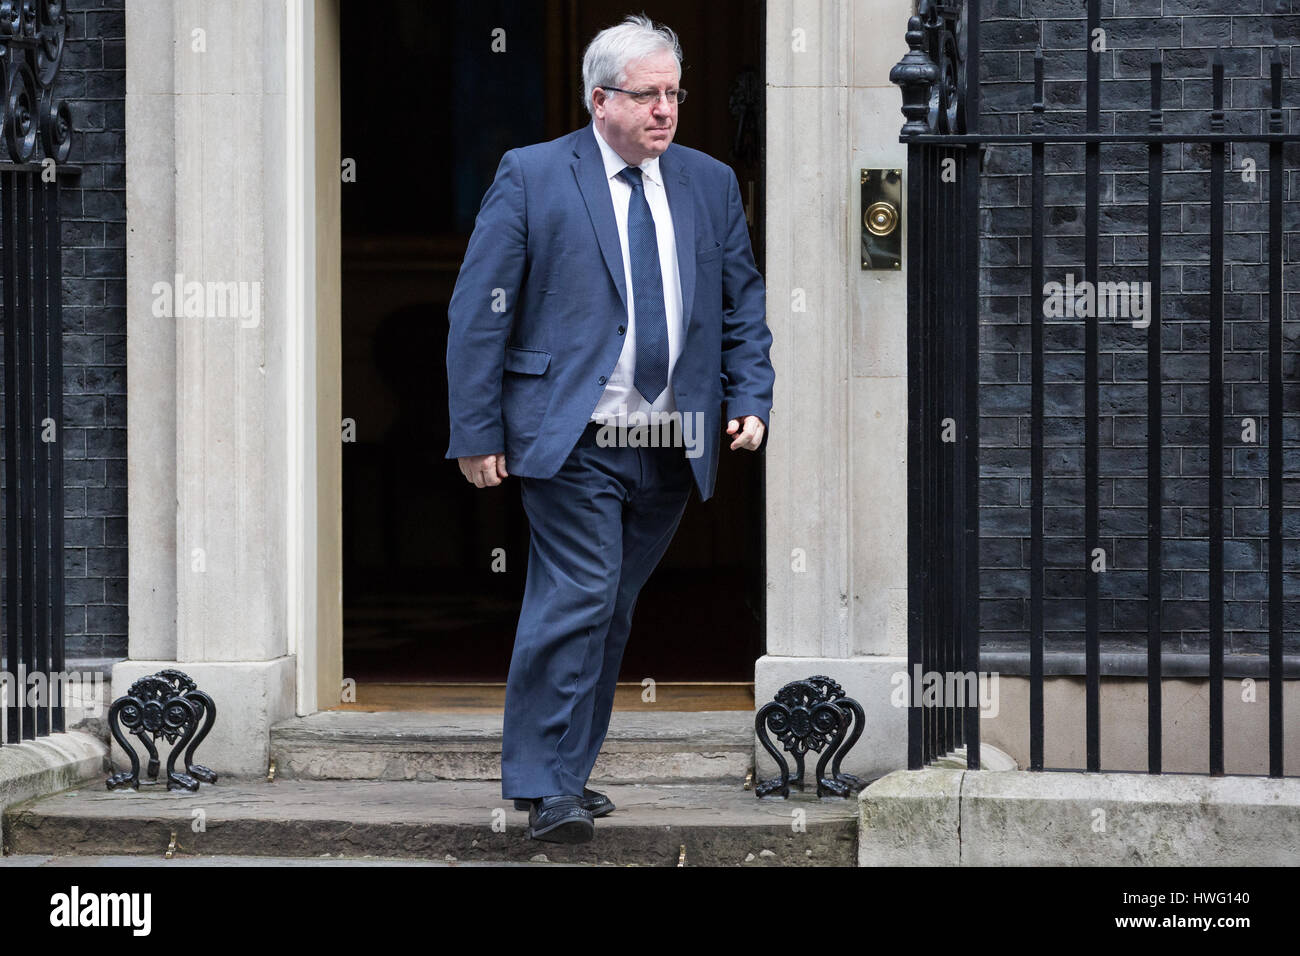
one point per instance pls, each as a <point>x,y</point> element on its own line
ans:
<point>615,766</point>
<point>822,842</point>
<point>36,768</point>
<point>370,728</point>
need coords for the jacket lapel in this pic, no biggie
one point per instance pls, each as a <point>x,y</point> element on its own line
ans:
<point>589,169</point>
<point>682,206</point>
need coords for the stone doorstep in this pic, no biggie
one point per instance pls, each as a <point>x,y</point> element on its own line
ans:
<point>954,817</point>
<point>34,768</point>
<point>461,820</point>
<point>642,746</point>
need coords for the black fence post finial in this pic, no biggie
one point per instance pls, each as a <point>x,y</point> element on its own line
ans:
<point>915,74</point>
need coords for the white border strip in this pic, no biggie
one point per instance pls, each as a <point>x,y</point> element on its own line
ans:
<point>300,377</point>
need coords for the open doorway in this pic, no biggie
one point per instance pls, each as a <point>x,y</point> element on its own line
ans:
<point>428,108</point>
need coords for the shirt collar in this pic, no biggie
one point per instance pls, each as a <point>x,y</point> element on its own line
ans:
<point>615,164</point>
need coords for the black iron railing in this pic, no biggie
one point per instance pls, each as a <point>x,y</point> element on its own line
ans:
<point>939,78</point>
<point>940,95</point>
<point>33,121</point>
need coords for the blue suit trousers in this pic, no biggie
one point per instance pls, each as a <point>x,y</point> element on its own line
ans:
<point>598,529</point>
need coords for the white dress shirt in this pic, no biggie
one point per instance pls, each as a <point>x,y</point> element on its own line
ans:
<point>620,397</point>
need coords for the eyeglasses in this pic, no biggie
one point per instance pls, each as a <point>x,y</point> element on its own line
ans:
<point>642,97</point>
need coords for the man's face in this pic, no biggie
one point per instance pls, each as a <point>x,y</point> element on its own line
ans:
<point>640,132</point>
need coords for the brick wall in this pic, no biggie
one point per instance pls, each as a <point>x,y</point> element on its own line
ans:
<point>92,79</point>
<point>1187,32</point>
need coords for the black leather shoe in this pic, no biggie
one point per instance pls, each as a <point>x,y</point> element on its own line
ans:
<point>593,801</point>
<point>560,819</point>
<point>596,803</point>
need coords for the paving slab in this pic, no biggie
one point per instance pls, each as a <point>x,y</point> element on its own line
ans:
<point>448,821</point>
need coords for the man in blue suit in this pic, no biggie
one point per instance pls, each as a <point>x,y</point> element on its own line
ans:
<point>609,283</point>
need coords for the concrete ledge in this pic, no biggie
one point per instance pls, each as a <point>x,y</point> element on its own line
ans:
<point>911,818</point>
<point>1133,663</point>
<point>976,818</point>
<point>38,767</point>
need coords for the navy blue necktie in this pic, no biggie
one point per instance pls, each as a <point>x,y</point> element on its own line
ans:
<point>647,292</point>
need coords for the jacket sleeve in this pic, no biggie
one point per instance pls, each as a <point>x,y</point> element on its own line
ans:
<point>482,312</point>
<point>746,340</point>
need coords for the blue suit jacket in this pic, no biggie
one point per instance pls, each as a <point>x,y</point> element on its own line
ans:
<point>541,296</point>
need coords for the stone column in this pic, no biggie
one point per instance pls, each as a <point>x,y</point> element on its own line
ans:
<point>836,462</point>
<point>207,442</point>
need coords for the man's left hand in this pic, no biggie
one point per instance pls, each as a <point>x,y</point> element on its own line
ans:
<point>752,435</point>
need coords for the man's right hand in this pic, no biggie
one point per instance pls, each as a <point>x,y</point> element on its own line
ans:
<point>484,471</point>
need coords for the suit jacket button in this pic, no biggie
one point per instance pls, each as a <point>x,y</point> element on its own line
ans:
<point>601,380</point>
<point>621,330</point>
